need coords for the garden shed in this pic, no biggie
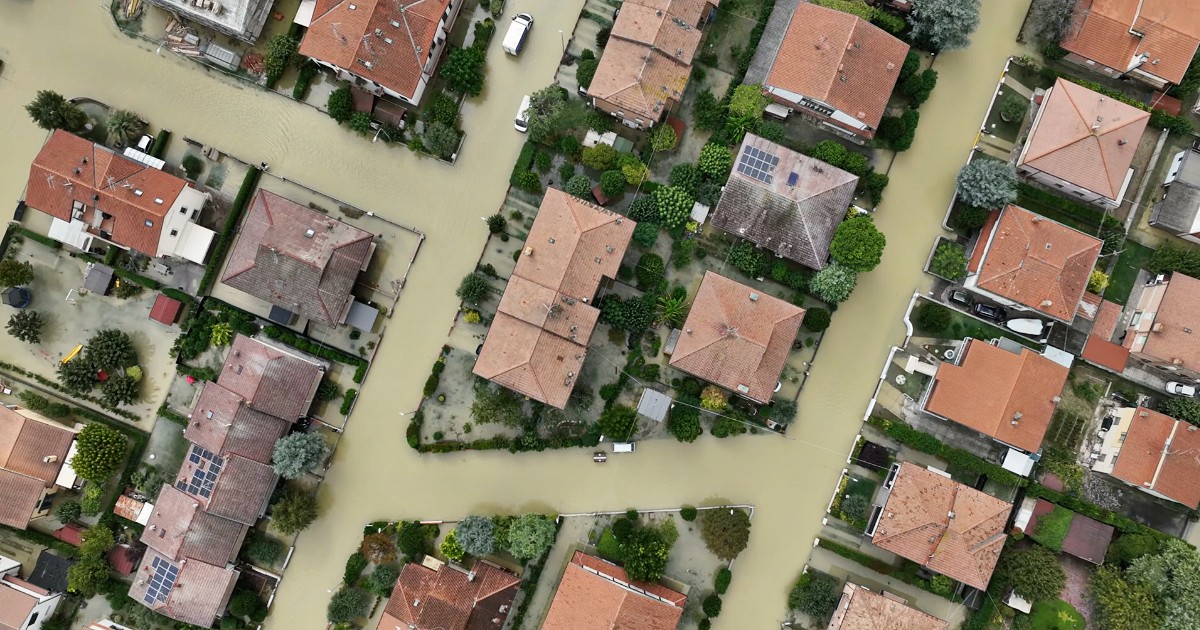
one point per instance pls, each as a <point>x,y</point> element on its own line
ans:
<point>654,405</point>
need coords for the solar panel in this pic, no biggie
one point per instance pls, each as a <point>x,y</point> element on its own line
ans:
<point>204,477</point>
<point>162,581</point>
<point>758,164</point>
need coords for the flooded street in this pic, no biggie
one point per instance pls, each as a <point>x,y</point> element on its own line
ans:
<point>72,47</point>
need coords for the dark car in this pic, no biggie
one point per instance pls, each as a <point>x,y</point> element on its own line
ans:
<point>987,311</point>
<point>961,297</point>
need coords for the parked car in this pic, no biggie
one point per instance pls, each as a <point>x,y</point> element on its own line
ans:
<point>1181,389</point>
<point>1026,326</point>
<point>514,39</point>
<point>961,297</point>
<point>624,447</point>
<point>144,143</point>
<point>987,311</point>
<point>521,123</point>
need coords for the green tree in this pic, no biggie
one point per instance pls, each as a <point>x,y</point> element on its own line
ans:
<point>360,123</point>
<point>1048,21</point>
<point>857,244</point>
<point>547,113</point>
<point>299,453</point>
<point>945,24</point>
<point>68,511</point>
<point>748,259</point>
<point>817,319</point>
<point>463,70</point>
<point>834,283</point>
<point>77,375</point>
<point>949,261</point>
<point>585,71</point>
<point>14,273</point>
<point>119,389</point>
<point>193,166</point>
<point>49,110</point>
<point>987,184</point>
<point>684,421</point>
<point>650,270</point>
<point>340,104</point>
<point>440,140</point>
<point>1172,577</point>
<point>476,534</point>
<point>247,605</point>
<point>1098,281</point>
<point>580,186</point>
<point>496,223</point>
<point>264,550</point>
<point>88,576</point>
<point>96,541</point>
<point>612,183</point>
<point>473,288</point>
<point>912,64</point>
<point>715,160</point>
<point>918,87</point>
<point>643,209</point>
<point>122,126</point>
<point>663,138</point>
<point>220,334</point>
<point>383,580</point>
<point>748,101</point>
<point>1120,605</point>
<point>294,511</point>
<point>725,531</point>
<point>674,206</point>
<point>672,309</point>
<point>530,536</point>
<point>722,580</point>
<point>645,552</point>
<point>685,176</point>
<point>281,50</point>
<point>635,171</point>
<point>600,157</point>
<point>1033,572</point>
<point>815,594</point>
<point>110,350</point>
<point>496,405</point>
<point>100,452</point>
<point>934,317</point>
<point>1181,408</point>
<point>712,605</point>
<point>451,548</point>
<point>1013,107</point>
<point>1129,547</point>
<point>26,326</point>
<point>618,422</point>
<point>347,605</point>
<point>829,151</point>
<point>645,235</point>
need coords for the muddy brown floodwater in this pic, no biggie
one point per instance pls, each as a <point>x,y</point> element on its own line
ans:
<point>71,46</point>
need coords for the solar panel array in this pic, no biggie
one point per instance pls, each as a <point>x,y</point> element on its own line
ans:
<point>204,477</point>
<point>758,164</point>
<point>162,581</point>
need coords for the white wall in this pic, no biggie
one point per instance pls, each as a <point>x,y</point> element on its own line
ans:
<point>838,115</point>
<point>189,203</point>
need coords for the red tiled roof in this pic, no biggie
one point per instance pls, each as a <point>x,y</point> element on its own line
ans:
<point>31,447</point>
<point>222,423</point>
<point>538,339</point>
<point>1170,32</point>
<point>1105,353</point>
<point>297,258</point>
<point>199,595</point>
<point>839,59</point>
<point>597,595</point>
<point>274,381</point>
<point>939,523</point>
<point>71,169</point>
<point>165,309</point>
<point>1159,454</point>
<point>1084,138</point>
<point>1107,319</point>
<point>449,599</point>
<point>353,33</point>
<point>991,387</point>
<point>1171,337</point>
<point>863,609</point>
<point>1037,262</point>
<point>736,337</point>
<point>71,533</point>
<point>180,528</point>
<point>123,558</point>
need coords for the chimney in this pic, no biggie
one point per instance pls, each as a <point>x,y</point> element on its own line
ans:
<point>1047,303</point>
<point>1157,327</point>
<point>1016,418</point>
<point>50,459</point>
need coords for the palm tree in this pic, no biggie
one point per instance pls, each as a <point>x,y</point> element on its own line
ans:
<point>122,126</point>
<point>671,309</point>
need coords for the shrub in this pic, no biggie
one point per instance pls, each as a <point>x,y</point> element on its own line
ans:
<point>1098,281</point>
<point>857,244</point>
<point>725,531</point>
<point>1052,528</point>
<point>933,317</point>
<point>496,224</point>
<point>918,87</point>
<point>476,534</point>
<point>192,166</point>
<point>444,110</point>
<point>748,259</point>
<point>949,261</point>
<point>68,511</point>
<point>383,580</point>
<point>721,583</point>
<point>663,138</point>
<point>650,270</point>
<point>684,423</point>
<point>612,183</point>
<point>708,112</point>
<point>26,325</point>
<point>674,206</point>
<point>1013,107</point>
<point>585,71</point>
<point>463,70</point>
<point>688,513</point>
<point>712,605</point>
<point>817,319</point>
<point>101,450</point>
<point>941,585</point>
<point>713,399</point>
<point>925,443</point>
<point>715,160</point>
<point>308,70</point>
<point>644,209</point>
<point>580,186</point>
<point>833,284</point>
<point>618,422</point>
<point>645,235</point>
<point>450,547</point>
<point>968,218</point>
<point>527,181</point>
<point>815,594</point>
<point>347,401</point>
<point>340,104</point>
<point>473,288</point>
<point>354,568</point>
<point>438,139</point>
<point>601,157</point>
<point>602,36</point>
<point>264,549</point>
<point>530,535</point>
<point>986,183</point>
<point>294,511</point>
<point>347,605</point>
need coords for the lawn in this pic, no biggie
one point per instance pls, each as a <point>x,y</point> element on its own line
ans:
<point>1056,615</point>
<point>1133,258</point>
<point>857,487</point>
<point>608,547</point>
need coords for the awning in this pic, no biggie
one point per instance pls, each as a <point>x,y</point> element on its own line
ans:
<point>193,244</point>
<point>654,405</point>
<point>66,475</point>
<point>305,13</point>
<point>148,160</point>
<point>362,316</point>
<point>98,278</point>
<point>1018,462</point>
<point>73,233</point>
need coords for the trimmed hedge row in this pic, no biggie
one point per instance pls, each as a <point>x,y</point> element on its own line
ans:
<point>223,239</point>
<point>41,238</point>
<point>524,162</point>
<point>527,442</point>
<point>198,373</point>
<point>176,294</point>
<point>913,438</point>
<point>325,352</point>
<point>170,414</point>
<point>55,385</point>
<point>160,143</point>
<point>879,566</point>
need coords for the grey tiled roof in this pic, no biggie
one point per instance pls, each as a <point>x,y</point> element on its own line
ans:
<point>772,39</point>
<point>1177,212</point>
<point>242,490</point>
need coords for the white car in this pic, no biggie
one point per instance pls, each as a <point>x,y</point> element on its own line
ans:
<point>521,122</point>
<point>514,39</point>
<point>1180,389</point>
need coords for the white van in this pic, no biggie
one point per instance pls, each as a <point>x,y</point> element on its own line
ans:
<point>514,39</point>
<point>522,121</point>
<point>624,447</point>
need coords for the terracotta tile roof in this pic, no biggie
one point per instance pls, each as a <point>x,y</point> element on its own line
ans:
<point>449,599</point>
<point>351,34</point>
<point>1171,337</point>
<point>1105,353</point>
<point>1089,306</point>
<point>1160,454</point>
<point>26,444</point>
<point>128,507</point>
<point>242,491</point>
<point>124,559</point>
<point>943,525</point>
<point>531,347</point>
<point>1037,262</point>
<point>1084,138</point>
<point>1170,34</point>
<point>862,609</point>
<point>648,60</point>
<point>275,260</point>
<point>792,218</point>
<point>233,428</point>
<point>990,387</point>
<point>71,169</point>
<point>736,337</point>
<point>839,59</point>
<point>19,496</point>
<point>597,595</point>
<point>180,528</point>
<point>199,595</point>
<point>1106,320</point>
<point>71,533</point>
<point>989,224</point>
<point>271,380</point>
<point>15,608</point>
<point>165,309</point>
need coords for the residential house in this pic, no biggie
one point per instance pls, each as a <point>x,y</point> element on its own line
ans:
<point>784,201</point>
<point>863,609</point>
<point>23,605</point>
<point>191,591</point>
<point>832,67</point>
<point>1153,452</point>
<point>243,19</point>
<point>223,422</point>
<point>1030,263</point>
<point>298,259</point>
<point>1159,335</point>
<point>1009,396</point>
<point>737,338</point>
<point>539,337</point>
<point>97,198</point>
<point>437,596</point>
<point>1178,210</point>
<point>387,47</point>
<point>1152,41</point>
<point>32,453</point>
<point>644,68</point>
<point>1082,144</point>
<point>942,525</point>
<point>269,378</point>
<point>598,595</point>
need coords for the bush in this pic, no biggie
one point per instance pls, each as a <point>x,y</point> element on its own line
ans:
<point>934,317</point>
<point>918,87</point>
<point>817,319</point>
<point>815,594</point>
<point>612,183</point>
<point>721,583</point>
<point>354,568</point>
<point>645,235</point>
<point>684,423</point>
<point>1098,281</point>
<point>643,209</point>
<point>264,549</point>
<point>450,547</point>
<point>715,161</point>
<point>1013,107</point>
<point>650,270</point>
<point>192,166</point>
<point>473,288</point>
<point>68,511</point>
<point>347,605</point>
<point>708,112</point>
<point>530,536</point>
<point>383,580</point>
<point>712,605</point>
<point>463,70</point>
<point>949,261</point>
<point>833,284</point>
<point>725,531</point>
<point>968,218</point>
<point>986,183</point>
<point>585,71</point>
<point>580,186</point>
<point>601,157</point>
<point>340,104</point>
<point>857,244</point>
<point>663,138</point>
<point>688,513</point>
<point>898,132</point>
<point>101,450</point>
<point>748,259</point>
<point>308,70</point>
<point>439,140</point>
<point>674,206</point>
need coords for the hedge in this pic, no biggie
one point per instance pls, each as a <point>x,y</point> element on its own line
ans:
<point>149,283</point>
<point>348,401</point>
<point>1123,523</point>
<point>1088,214</point>
<point>223,239</point>
<point>176,294</point>
<point>41,238</point>
<point>524,162</point>
<point>170,414</point>
<point>879,566</point>
<point>913,438</point>
<point>55,385</point>
<point>198,373</point>
<point>160,143</point>
<point>320,350</point>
